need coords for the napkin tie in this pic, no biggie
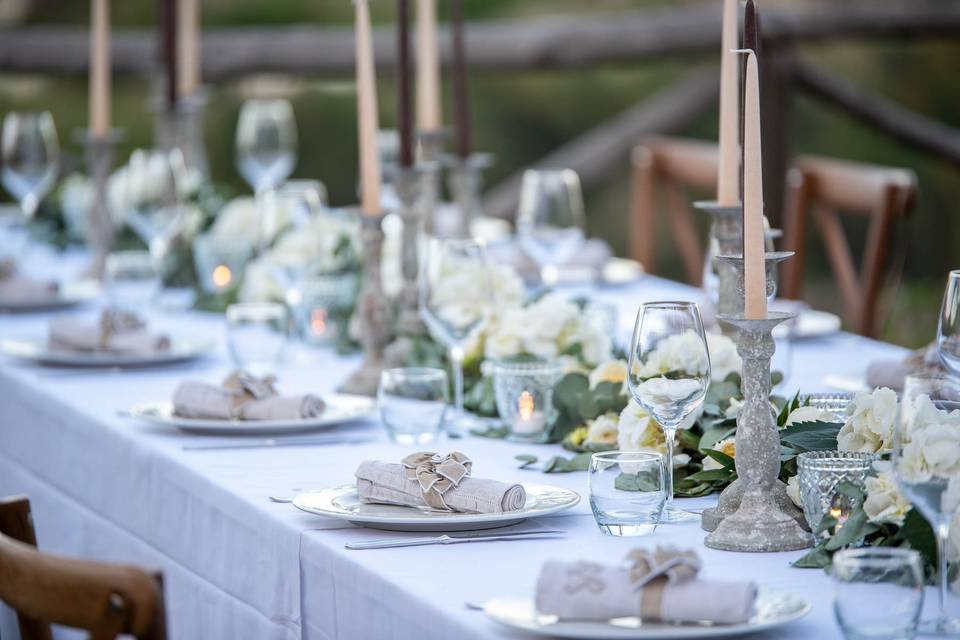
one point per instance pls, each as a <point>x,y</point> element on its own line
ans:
<point>436,474</point>
<point>115,321</point>
<point>651,572</point>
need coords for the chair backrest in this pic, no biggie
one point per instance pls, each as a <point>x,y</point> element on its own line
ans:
<point>827,189</point>
<point>670,167</point>
<point>105,599</point>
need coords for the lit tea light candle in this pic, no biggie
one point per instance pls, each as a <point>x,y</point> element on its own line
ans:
<point>840,515</point>
<point>528,419</point>
<point>318,322</point>
<point>221,276</point>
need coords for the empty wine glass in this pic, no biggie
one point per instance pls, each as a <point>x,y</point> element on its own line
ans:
<point>266,143</point>
<point>948,330</point>
<point>456,296</point>
<point>669,373</point>
<point>31,157</point>
<point>153,187</point>
<point>927,468</point>
<point>550,220</point>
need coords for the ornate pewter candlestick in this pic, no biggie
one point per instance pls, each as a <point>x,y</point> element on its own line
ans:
<point>376,314</point>
<point>755,513</point>
<point>431,169</point>
<point>466,180</point>
<point>407,183</point>
<point>181,127</point>
<point>98,152</point>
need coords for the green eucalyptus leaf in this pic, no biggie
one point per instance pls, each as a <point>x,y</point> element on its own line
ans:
<point>811,436</point>
<point>818,558</point>
<point>719,456</point>
<point>851,531</point>
<point>526,459</point>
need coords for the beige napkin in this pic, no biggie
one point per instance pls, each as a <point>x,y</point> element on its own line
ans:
<point>17,288</point>
<point>891,373</point>
<point>656,586</point>
<point>113,332</point>
<point>242,397</point>
<point>442,482</point>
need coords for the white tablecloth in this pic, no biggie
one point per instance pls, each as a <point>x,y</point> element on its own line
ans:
<point>240,566</point>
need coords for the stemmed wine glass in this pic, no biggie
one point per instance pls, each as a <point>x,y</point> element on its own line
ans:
<point>153,187</point>
<point>948,330</point>
<point>31,157</point>
<point>266,147</point>
<point>670,389</point>
<point>456,297</point>
<point>550,220</point>
<point>926,470</point>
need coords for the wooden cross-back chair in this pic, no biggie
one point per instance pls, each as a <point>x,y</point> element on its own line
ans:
<point>826,189</point>
<point>670,168</point>
<point>105,599</point>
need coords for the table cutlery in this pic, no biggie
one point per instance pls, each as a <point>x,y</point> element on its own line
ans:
<point>274,442</point>
<point>449,539</point>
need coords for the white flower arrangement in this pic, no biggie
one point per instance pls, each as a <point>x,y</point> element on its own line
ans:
<point>933,449</point>
<point>603,430</point>
<point>884,502</point>
<point>869,427</point>
<point>638,431</point>
<point>684,352</point>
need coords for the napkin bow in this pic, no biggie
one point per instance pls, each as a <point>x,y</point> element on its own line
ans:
<point>115,321</point>
<point>651,572</point>
<point>437,474</point>
<point>250,386</point>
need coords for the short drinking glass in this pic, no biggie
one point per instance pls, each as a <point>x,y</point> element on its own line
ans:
<point>131,280</point>
<point>413,402</point>
<point>878,592</point>
<point>627,491</point>
<point>257,335</point>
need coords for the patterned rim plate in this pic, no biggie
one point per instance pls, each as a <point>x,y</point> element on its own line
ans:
<point>70,294</point>
<point>774,608</point>
<point>340,408</point>
<point>37,350</point>
<point>343,503</point>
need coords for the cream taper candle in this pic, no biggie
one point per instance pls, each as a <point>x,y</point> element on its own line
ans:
<point>367,116</point>
<point>99,88</point>
<point>728,176</point>
<point>428,67</point>
<point>754,273</point>
<point>189,46</point>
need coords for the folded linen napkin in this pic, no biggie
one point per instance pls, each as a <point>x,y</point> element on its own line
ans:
<point>242,396</point>
<point>891,372</point>
<point>444,483</point>
<point>657,586</point>
<point>113,332</point>
<point>17,288</point>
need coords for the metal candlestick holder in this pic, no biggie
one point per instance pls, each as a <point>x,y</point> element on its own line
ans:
<point>98,153</point>
<point>431,170</point>
<point>407,184</point>
<point>180,126</point>
<point>754,513</point>
<point>376,314</point>
<point>466,181</point>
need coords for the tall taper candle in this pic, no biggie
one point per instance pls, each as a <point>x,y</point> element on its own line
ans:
<point>367,117</point>
<point>751,27</point>
<point>404,99</point>
<point>754,273</point>
<point>189,46</point>
<point>728,178</point>
<point>461,106</point>
<point>428,67</point>
<point>99,88</point>
<point>168,48</point>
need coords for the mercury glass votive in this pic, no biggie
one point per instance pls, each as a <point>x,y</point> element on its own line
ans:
<point>820,473</point>
<point>326,302</point>
<point>220,263</point>
<point>524,394</point>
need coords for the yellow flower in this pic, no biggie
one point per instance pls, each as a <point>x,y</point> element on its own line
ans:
<point>727,446</point>
<point>614,371</point>
<point>577,436</point>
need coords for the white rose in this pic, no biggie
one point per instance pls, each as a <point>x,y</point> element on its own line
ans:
<point>679,352</point>
<point>260,284</point>
<point>610,371</point>
<point>665,391</point>
<point>724,358</point>
<point>238,221</point>
<point>637,431</point>
<point>726,446</point>
<point>869,427</point>
<point>883,503</point>
<point>603,430</point>
<point>793,491</point>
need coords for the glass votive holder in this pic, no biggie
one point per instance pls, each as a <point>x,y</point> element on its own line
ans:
<point>833,403</point>
<point>324,307</point>
<point>413,402</point>
<point>219,263</point>
<point>257,336</point>
<point>524,395</point>
<point>131,281</point>
<point>627,491</point>
<point>878,592</point>
<point>820,473</point>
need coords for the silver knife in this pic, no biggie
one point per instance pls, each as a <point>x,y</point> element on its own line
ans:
<point>446,539</point>
<point>273,442</point>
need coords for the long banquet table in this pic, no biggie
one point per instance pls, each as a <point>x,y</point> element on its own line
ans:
<point>237,565</point>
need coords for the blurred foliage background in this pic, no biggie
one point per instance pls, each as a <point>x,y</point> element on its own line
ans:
<point>520,117</point>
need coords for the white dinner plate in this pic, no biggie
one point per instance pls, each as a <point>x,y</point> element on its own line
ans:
<point>619,271</point>
<point>340,408</point>
<point>37,350</point>
<point>343,503</point>
<point>812,323</point>
<point>774,608</point>
<point>69,295</point>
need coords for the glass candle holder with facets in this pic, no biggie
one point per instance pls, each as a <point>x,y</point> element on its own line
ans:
<point>821,473</point>
<point>524,395</point>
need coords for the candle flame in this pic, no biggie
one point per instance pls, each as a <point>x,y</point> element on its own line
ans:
<point>222,276</point>
<point>525,405</point>
<point>838,514</point>
<point>318,321</point>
